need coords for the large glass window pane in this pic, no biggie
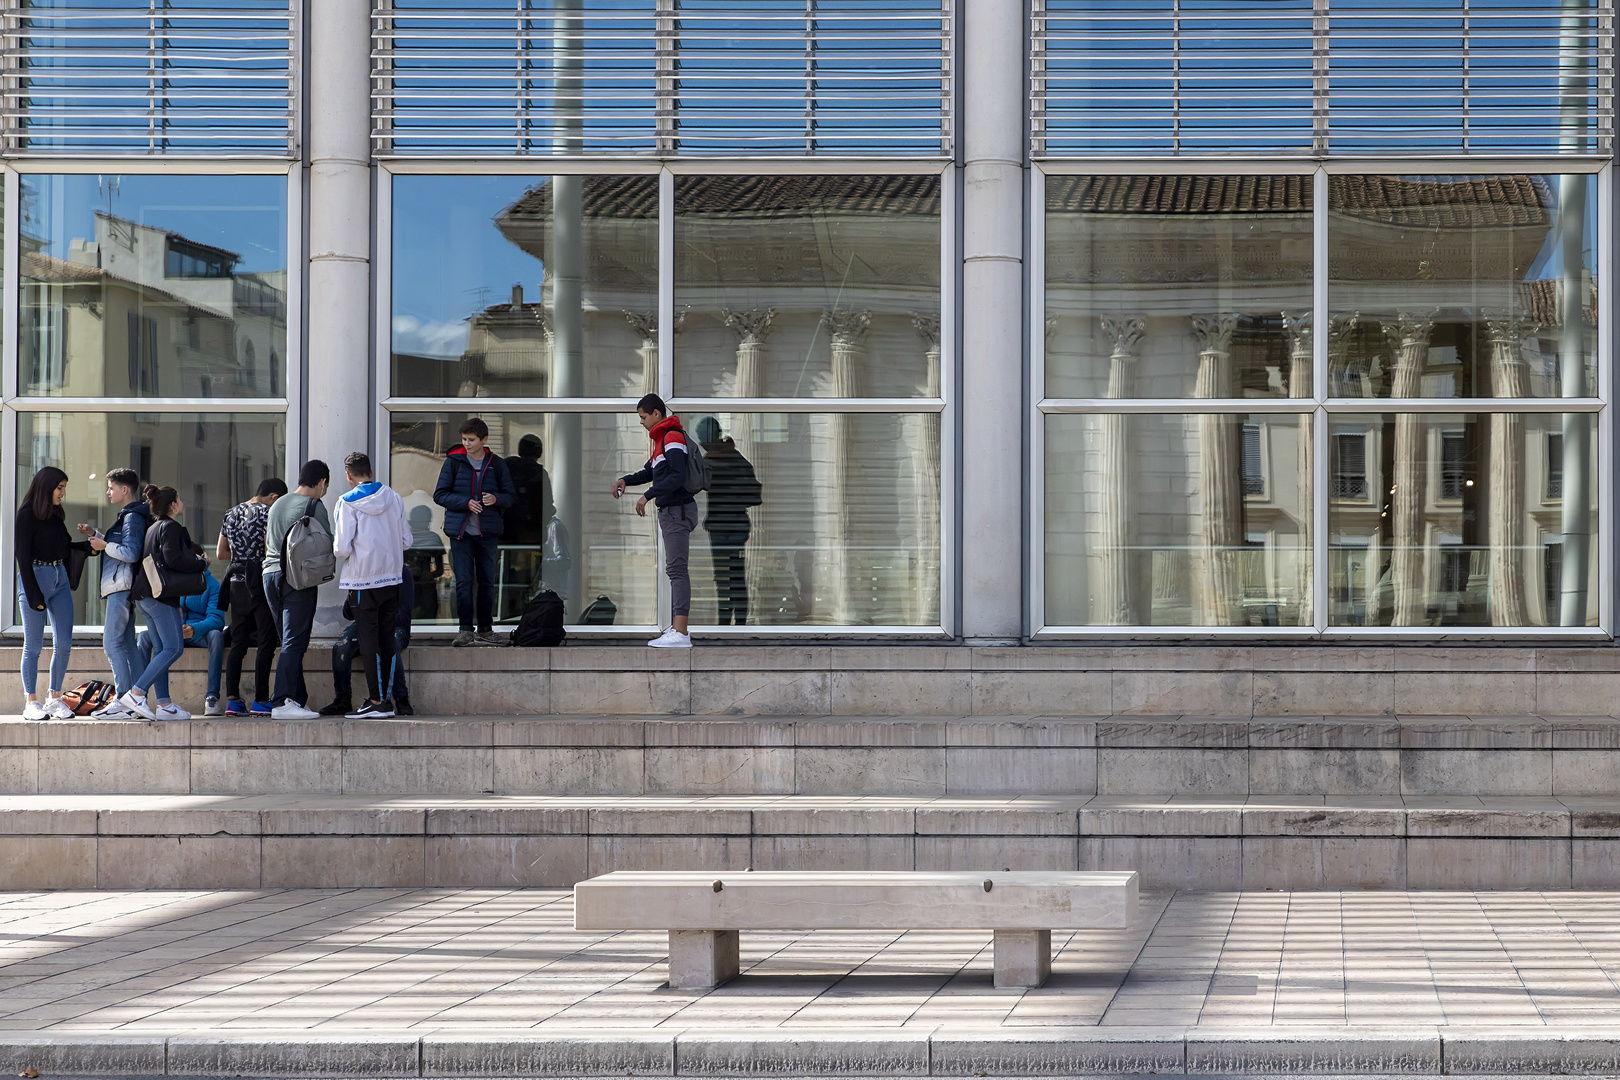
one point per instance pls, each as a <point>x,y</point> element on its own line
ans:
<point>818,519</point>
<point>1467,519</point>
<point>214,460</point>
<point>153,286</point>
<point>1196,519</point>
<point>514,286</point>
<point>1178,286</point>
<point>1462,287</point>
<point>807,286</point>
<point>566,533</point>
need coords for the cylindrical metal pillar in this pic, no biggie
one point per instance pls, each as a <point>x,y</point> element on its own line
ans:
<point>337,379</point>
<point>992,134</point>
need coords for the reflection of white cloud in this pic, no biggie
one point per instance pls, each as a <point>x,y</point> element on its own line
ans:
<point>448,341</point>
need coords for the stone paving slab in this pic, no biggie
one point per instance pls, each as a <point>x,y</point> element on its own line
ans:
<point>490,982</point>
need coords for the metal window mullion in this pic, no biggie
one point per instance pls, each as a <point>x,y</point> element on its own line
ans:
<point>1453,406</point>
<point>503,404</point>
<point>1607,475</point>
<point>1035,416</point>
<point>1257,406</point>
<point>1321,321</point>
<point>382,359</point>
<point>148,405</point>
<point>8,493</point>
<point>666,284</point>
<point>12,277</point>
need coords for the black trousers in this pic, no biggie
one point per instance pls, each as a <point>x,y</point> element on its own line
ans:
<point>343,657</point>
<point>252,623</point>
<point>730,575</point>
<point>375,611</point>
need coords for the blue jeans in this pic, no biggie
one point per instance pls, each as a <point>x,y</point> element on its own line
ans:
<point>53,583</point>
<point>118,640</point>
<point>214,640</point>
<point>472,559</point>
<point>163,624</point>
<point>294,611</point>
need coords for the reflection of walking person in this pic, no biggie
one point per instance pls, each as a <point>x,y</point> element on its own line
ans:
<point>677,509</point>
<point>733,489</point>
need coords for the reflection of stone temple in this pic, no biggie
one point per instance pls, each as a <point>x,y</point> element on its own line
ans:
<point>803,288</point>
<point>1189,288</point>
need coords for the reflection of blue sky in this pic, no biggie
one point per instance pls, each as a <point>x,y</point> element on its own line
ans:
<point>449,259</point>
<point>244,214</point>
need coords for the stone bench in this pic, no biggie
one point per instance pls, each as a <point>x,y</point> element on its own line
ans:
<point>704,911</point>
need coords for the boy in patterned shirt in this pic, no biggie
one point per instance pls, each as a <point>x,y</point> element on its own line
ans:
<point>241,544</point>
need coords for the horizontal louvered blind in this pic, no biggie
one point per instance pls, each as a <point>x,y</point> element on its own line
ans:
<point>1122,77</point>
<point>778,77</point>
<point>151,77</point>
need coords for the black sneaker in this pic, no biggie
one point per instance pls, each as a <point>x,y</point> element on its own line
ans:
<point>402,707</point>
<point>373,710</point>
<point>338,708</point>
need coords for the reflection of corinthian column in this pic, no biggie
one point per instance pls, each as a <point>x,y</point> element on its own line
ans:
<point>923,596</point>
<point>645,324</point>
<point>1411,344</point>
<point>1300,362</point>
<point>1219,495</point>
<point>847,331</point>
<point>752,328</point>
<point>1509,379</point>
<point>1113,602</point>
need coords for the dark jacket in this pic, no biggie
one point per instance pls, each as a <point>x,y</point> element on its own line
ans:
<point>169,542</point>
<point>733,488</point>
<point>47,541</point>
<point>666,469</point>
<point>534,507</point>
<point>458,484</point>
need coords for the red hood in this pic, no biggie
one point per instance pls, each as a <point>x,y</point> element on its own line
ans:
<point>456,449</point>
<point>660,431</point>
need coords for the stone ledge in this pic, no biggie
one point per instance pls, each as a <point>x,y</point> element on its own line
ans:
<point>944,1051</point>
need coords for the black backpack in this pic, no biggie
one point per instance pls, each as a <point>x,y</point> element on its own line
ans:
<point>542,622</point>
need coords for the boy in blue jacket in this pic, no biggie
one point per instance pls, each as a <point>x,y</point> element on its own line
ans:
<point>202,623</point>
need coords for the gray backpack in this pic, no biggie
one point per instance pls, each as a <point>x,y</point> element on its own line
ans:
<point>699,473</point>
<point>307,559</point>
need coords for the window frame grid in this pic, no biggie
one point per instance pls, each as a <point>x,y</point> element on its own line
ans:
<point>13,403</point>
<point>944,406</point>
<point>1321,407</point>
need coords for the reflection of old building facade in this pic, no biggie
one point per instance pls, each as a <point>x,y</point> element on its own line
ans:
<point>1199,288</point>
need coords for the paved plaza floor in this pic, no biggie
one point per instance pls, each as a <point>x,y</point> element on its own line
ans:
<point>457,961</point>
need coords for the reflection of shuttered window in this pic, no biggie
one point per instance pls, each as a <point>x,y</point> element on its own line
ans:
<point>1555,466</point>
<point>1350,473</point>
<point>1254,480</point>
<point>1451,465</point>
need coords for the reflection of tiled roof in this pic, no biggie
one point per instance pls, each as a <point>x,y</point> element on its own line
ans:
<point>1472,202</point>
<point>1543,301</point>
<point>744,196</point>
<point>37,266</point>
<point>1179,194</point>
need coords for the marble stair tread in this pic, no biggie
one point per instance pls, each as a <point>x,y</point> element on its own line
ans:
<point>1103,815</point>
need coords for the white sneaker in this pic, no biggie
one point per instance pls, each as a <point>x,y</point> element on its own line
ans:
<point>671,639</point>
<point>212,707</point>
<point>291,710</point>
<point>33,710</point>
<point>113,710</point>
<point>170,711</point>
<point>58,709</point>
<point>138,706</point>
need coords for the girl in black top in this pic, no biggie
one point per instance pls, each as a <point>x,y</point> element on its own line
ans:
<point>170,546</point>
<point>43,550</point>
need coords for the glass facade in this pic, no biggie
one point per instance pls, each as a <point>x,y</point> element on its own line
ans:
<point>1301,353</point>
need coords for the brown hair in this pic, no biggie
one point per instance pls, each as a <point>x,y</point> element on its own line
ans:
<point>161,499</point>
<point>42,491</point>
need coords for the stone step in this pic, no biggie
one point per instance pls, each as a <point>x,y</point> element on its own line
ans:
<point>953,1050</point>
<point>912,757</point>
<point>1252,842</point>
<point>945,680</point>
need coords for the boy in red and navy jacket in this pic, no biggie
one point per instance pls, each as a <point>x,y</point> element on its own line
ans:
<point>677,509</point>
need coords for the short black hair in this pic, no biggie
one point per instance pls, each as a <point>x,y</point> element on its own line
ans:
<point>475,426</point>
<point>652,403</point>
<point>358,464</point>
<point>128,477</point>
<point>313,472</point>
<point>274,486</point>
<point>530,446</point>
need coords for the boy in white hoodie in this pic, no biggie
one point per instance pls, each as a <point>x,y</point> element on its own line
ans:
<point>371,535</point>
